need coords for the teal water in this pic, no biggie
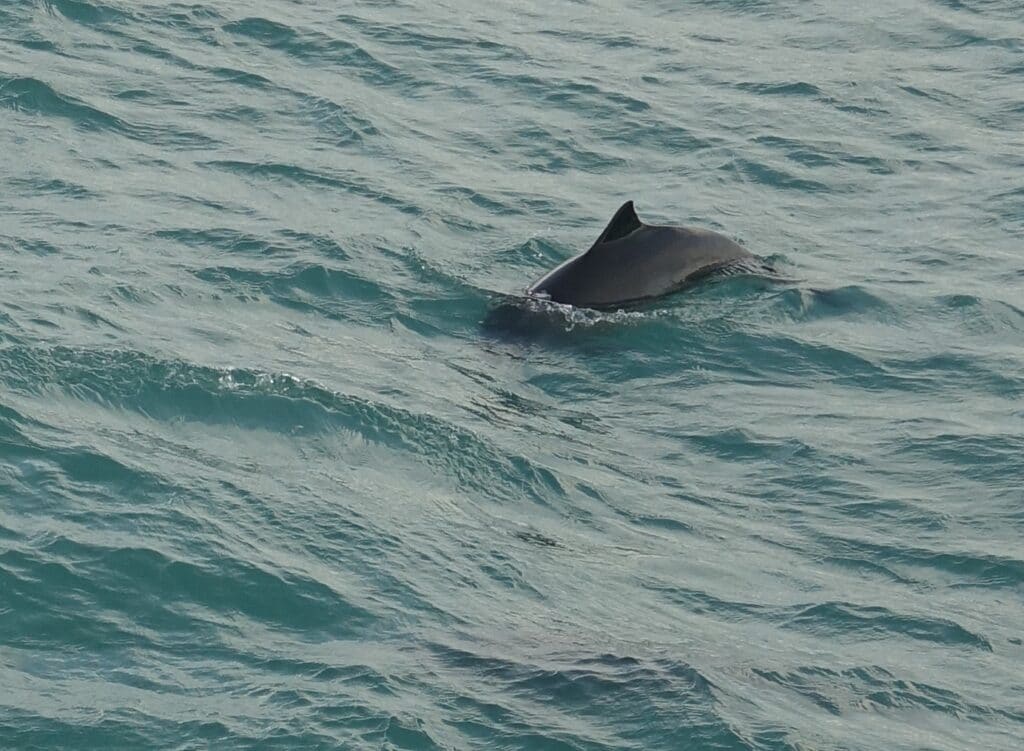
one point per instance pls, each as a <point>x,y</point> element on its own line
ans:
<point>268,480</point>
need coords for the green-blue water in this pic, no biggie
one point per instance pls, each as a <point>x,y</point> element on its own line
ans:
<point>268,481</point>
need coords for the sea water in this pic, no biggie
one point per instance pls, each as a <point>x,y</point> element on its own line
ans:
<point>274,475</point>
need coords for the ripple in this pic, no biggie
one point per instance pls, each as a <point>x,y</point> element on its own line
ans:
<point>763,174</point>
<point>940,372</point>
<point>263,30</point>
<point>89,13</point>
<point>974,569</point>
<point>545,151</point>
<point>343,125</point>
<point>874,622</point>
<point>310,288</point>
<point>170,391</point>
<point>852,300</point>
<point>246,78</point>
<point>237,242</point>
<point>742,444</point>
<point>455,47</point>
<point>852,689</point>
<point>34,97</point>
<point>322,49</point>
<point>53,186</point>
<point>811,154</point>
<point>795,88</point>
<point>584,685</point>
<point>346,182</point>
<point>566,94</point>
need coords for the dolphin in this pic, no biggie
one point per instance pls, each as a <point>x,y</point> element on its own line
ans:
<point>632,261</point>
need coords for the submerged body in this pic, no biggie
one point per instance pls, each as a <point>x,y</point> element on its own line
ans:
<point>632,261</point>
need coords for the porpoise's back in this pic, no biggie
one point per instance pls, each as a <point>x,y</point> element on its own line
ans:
<point>632,261</point>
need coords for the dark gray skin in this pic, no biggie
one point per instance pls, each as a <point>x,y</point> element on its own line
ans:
<point>632,261</point>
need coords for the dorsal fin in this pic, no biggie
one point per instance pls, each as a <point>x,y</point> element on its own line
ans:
<point>624,222</point>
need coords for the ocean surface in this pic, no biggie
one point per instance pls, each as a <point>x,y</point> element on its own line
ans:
<point>279,469</point>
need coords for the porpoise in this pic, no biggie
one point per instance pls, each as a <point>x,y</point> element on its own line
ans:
<point>632,261</point>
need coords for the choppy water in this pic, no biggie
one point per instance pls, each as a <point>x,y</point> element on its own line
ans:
<point>267,480</point>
